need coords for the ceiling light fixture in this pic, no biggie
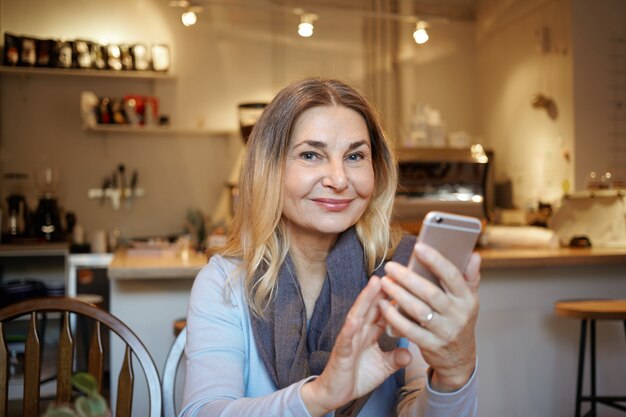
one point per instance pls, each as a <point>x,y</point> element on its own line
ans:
<point>189,18</point>
<point>305,28</point>
<point>421,35</point>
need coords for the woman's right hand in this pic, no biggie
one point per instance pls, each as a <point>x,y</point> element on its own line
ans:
<point>356,365</point>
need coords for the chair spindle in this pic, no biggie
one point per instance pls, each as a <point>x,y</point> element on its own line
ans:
<point>4,374</point>
<point>65,361</point>
<point>125,387</point>
<point>32,370</point>
<point>96,354</point>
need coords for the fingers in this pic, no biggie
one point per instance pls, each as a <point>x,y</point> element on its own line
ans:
<point>363,317</point>
<point>450,277</point>
<point>399,358</point>
<point>409,286</point>
<point>403,325</point>
<point>472,273</point>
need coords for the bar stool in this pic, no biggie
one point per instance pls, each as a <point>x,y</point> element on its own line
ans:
<point>590,311</point>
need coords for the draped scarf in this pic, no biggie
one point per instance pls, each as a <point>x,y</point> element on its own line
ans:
<point>289,350</point>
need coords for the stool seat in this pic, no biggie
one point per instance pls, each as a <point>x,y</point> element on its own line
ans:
<point>592,309</point>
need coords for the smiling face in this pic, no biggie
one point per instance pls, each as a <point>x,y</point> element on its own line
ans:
<point>329,176</point>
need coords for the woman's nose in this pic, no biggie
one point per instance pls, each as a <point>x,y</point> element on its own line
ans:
<point>335,177</point>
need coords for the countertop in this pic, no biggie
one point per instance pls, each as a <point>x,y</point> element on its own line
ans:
<point>124,266</point>
<point>537,257</point>
<point>140,267</point>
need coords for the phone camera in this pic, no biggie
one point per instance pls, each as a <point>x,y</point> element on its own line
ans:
<point>438,219</point>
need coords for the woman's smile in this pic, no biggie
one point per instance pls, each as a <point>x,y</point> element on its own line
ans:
<point>334,204</point>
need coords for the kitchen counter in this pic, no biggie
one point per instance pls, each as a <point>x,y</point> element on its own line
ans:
<point>125,266</point>
<point>539,257</point>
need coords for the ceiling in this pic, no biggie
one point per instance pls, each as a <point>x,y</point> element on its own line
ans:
<point>391,9</point>
<point>451,9</point>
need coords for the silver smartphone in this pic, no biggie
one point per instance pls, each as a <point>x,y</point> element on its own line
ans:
<point>452,235</point>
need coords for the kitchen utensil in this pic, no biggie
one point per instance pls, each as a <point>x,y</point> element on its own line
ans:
<point>121,170</point>
<point>132,188</point>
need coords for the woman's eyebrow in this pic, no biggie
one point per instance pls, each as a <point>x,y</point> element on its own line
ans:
<point>358,144</point>
<point>323,145</point>
<point>313,143</point>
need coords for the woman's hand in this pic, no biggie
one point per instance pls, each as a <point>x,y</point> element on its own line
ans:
<point>356,365</point>
<point>447,317</point>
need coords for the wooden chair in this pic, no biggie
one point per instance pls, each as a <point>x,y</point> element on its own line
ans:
<point>170,370</point>
<point>590,311</point>
<point>65,359</point>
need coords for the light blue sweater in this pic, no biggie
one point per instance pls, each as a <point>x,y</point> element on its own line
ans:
<point>226,377</point>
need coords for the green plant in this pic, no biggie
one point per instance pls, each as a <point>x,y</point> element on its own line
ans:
<point>89,403</point>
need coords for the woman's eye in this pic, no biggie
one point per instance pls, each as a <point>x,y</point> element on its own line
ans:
<point>309,156</point>
<point>357,156</point>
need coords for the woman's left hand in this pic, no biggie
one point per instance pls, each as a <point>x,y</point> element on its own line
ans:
<point>447,316</point>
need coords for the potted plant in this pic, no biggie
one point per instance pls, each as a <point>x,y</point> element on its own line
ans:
<point>89,402</point>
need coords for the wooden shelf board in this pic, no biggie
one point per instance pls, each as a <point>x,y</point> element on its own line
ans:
<point>157,130</point>
<point>75,72</point>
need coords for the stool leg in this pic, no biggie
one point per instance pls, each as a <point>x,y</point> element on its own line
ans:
<point>592,326</point>
<point>581,366</point>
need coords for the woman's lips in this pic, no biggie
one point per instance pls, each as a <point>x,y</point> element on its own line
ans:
<point>333,204</point>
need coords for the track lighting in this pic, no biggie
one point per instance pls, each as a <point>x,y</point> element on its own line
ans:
<point>189,18</point>
<point>420,35</point>
<point>305,28</point>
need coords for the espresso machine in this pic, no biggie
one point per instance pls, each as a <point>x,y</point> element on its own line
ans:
<point>444,179</point>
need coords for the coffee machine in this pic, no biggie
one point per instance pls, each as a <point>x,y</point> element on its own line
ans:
<point>47,216</point>
<point>18,219</point>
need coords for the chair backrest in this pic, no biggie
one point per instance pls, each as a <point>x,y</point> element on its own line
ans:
<point>169,374</point>
<point>65,359</point>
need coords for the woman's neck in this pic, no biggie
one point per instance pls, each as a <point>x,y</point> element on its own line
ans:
<point>309,257</point>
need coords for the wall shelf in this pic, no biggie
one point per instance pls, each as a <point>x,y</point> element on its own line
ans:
<point>34,249</point>
<point>156,130</point>
<point>74,72</point>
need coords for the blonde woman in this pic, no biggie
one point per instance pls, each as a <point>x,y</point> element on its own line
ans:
<point>288,320</point>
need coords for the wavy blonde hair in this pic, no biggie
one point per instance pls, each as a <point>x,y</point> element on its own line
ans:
<point>258,235</point>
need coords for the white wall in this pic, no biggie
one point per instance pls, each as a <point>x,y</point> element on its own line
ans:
<point>529,146</point>
<point>599,87</point>
<point>441,73</point>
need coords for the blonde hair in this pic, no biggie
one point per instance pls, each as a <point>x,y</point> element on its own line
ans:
<point>258,234</point>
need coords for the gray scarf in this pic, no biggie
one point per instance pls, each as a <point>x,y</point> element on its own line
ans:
<point>290,352</point>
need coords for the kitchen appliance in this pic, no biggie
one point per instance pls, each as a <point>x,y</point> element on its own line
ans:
<point>47,216</point>
<point>443,179</point>
<point>18,218</point>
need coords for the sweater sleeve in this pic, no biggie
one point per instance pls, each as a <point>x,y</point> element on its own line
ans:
<point>417,399</point>
<point>460,403</point>
<point>216,354</point>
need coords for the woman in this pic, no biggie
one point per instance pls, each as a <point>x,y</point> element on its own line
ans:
<point>285,322</point>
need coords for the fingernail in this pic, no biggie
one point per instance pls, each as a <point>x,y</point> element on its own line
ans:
<point>425,251</point>
<point>392,268</point>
